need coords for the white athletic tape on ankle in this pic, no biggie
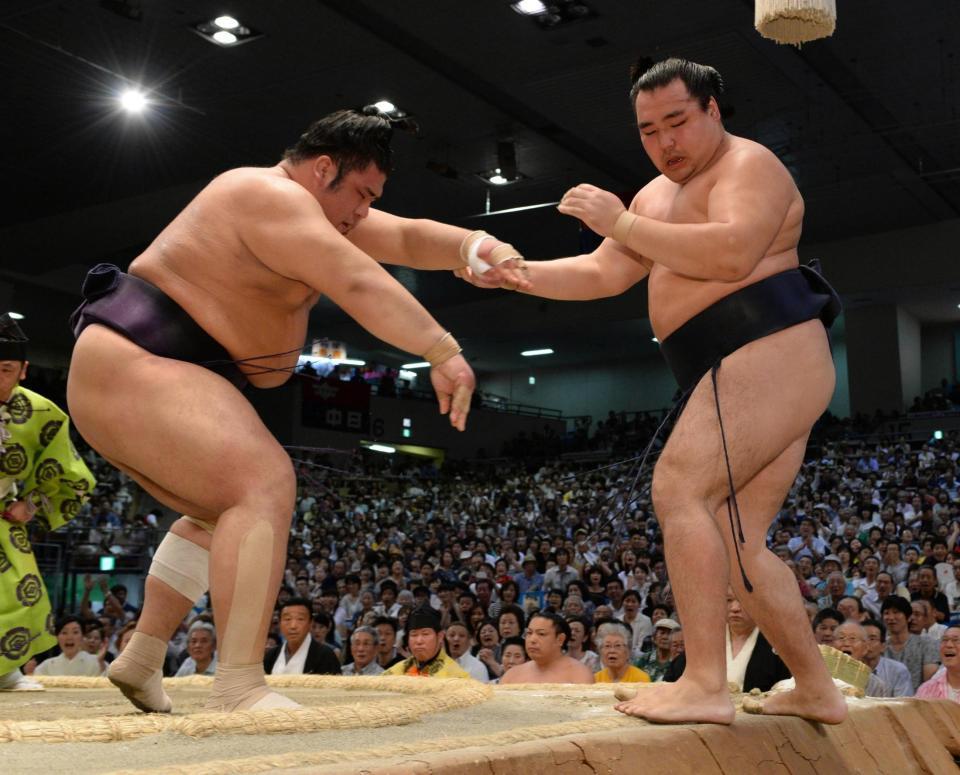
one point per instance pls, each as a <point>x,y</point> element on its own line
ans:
<point>182,565</point>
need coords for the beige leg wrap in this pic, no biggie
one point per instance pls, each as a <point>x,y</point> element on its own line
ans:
<point>137,673</point>
<point>182,565</point>
<point>239,681</point>
<point>242,687</point>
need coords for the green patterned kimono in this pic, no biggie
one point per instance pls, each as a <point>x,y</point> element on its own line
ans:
<point>38,463</point>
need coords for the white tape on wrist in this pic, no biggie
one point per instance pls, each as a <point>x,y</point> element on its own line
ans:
<point>477,264</point>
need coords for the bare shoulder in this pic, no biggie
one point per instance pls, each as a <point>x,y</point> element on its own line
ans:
<point>579,672</point>
<point>658,190</point>
<point>748,157</point>
<point>260,188</point>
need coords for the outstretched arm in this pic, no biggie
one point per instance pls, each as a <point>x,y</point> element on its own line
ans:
<point>286,229</point>
<point>421,244</point>
<point>607,271</point>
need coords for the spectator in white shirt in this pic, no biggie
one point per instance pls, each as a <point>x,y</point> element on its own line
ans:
<point>201,650</point>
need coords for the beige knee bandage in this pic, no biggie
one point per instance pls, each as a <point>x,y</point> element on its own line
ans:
<point>201,523</point>
<point>182,565</point>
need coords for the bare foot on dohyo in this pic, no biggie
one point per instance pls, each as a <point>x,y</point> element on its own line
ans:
<point>682,702</point>
<point>829,709</point>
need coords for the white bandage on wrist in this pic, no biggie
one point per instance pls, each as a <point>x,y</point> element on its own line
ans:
<point>183,566</point>
<point>470,248</point>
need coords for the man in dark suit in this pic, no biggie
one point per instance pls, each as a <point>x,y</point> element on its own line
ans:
<point>299,653</point>
<point>763,667</point>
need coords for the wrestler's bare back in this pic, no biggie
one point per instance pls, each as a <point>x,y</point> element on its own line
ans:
<point>201,262</point>
<point>675,298</point>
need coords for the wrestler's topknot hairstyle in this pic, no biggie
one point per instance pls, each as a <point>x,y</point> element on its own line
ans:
<point>353,139</point>
<point>702,81</point>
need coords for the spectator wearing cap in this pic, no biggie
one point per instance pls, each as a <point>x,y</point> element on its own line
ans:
<point>201,650</point>
<point>299,653</point>
<point>614,640</point>
<point>918,652</point>
<point>363,648</point>
<point>656,661</point>
<point>893,674</point>
<point>529,580</point>
<point>427,656</point>
<point>751,661</point>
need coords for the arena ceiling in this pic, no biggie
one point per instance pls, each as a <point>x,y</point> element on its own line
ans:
<point>867,121</point>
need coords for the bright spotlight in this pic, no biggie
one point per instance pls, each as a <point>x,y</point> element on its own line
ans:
<point>16,316</point>
<point>226,22</point>
<point>385,106</point>
<point>224,38</point>
<point>133,101</point>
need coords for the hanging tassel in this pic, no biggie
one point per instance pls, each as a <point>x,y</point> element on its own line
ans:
<point>795,21</point>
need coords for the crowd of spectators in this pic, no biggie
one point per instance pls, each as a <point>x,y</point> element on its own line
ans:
<point>870,530</point>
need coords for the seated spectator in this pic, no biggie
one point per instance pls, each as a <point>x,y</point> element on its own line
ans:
<point>656,661</point>
<point>677,645</point>
<point>825,624</point>
<point>927,590</point>
<point>751,661</point>
<point>851,638</point>
<point>299,653</point>
<point>363,647</point>
<point>579,646</point>
<point>73,659</point>
<point>546,634</point>
<point>851,608</point>
<point>918,652</point>
<point>893,674</point>
<point>923,620</point>
<point>427,656</point>
<point>945,683</point>
<point>513,653</point>
<point>93,641</point>
<point>613,640</point>
<point>510,622</point>
<point>321,630</point>
<point>201,650</point>
<point>387,654</point>
<point>640,624</point>
<point>458,642</point>
<point>388,605</point>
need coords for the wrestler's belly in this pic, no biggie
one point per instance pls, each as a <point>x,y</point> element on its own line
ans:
<point>673,299</point>
<point>249,323</point>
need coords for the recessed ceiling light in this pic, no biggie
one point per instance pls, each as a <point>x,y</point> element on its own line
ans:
<point>226,22</point>
<point>530,353</point>
<point>495,177</point>
<point>226,31</point>
<point>133,101</point>
<point>417,365</point>
<point>529,7</point>
<point>385,106</point>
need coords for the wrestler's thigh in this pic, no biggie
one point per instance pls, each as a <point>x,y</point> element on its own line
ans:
<point>760,500</point>
<point>166,497</point>
<point>771,393</point>
<point>178,424</point>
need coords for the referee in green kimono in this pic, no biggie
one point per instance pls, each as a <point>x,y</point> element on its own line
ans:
<point>41,478</point>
